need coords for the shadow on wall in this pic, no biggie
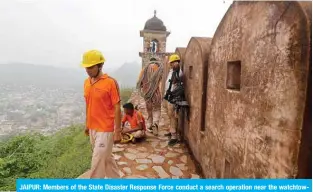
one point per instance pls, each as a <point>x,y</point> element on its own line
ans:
<point>250,105</point>
<point>196,71</point>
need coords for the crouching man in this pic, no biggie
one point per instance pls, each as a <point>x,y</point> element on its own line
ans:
<point>135,121</point>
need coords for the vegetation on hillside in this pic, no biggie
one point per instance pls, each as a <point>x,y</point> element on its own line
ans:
<point>125,95</point>
<point>66,154</point>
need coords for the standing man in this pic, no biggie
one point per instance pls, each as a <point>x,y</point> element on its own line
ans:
<point>148,85</point>
<point>103,115</point>
<point>174,77</point>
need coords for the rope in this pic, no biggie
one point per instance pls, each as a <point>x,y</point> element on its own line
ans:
<point>152,81</point>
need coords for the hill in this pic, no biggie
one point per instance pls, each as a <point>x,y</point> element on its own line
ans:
<point>48,76</point>
<point>40,75</point>
<point>127,74</point>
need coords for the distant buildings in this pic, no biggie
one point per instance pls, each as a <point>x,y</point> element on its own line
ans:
<point>24,108</point>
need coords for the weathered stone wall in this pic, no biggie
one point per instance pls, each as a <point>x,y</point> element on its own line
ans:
<point>195,68</point>
<point>305,152</point>
<point>160,37</point>
<point>181,52</point>
<point>253,129</point>
<point>146,57</point>
<point>257,77</point>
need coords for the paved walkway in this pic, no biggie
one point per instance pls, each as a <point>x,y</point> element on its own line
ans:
<point>153,158</point>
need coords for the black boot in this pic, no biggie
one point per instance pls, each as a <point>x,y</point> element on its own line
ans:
<point>150,129</point>
<point>172,142</point>
<point>155,129</point>
<point>167,134</point>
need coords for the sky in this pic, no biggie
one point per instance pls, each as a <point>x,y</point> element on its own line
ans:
<point>58,32</point>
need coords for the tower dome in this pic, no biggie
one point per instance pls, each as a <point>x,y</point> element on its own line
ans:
<point>155,24</point>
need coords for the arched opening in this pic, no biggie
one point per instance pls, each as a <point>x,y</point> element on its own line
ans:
<point>154,46</point>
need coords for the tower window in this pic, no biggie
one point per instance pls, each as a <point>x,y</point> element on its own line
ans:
<point>154,46</point>
<point>233,75</point>
<point>190,72</point>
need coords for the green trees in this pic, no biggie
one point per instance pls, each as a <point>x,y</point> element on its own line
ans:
<point>66,154</point>
<point>125,94</point>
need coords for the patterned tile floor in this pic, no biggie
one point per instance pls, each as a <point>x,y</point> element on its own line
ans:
<point>153,158</point>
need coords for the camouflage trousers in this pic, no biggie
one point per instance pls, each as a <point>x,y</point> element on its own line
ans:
<point>154,113</point>
<point>153,106</point>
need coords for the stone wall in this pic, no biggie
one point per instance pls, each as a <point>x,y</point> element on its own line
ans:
<point>195,76</point>
<point>181,52</point>
<point>146,57</point>
<point>160,37</point>
<point>251,123</point>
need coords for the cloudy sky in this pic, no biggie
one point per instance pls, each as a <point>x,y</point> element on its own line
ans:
<point>57,32</point>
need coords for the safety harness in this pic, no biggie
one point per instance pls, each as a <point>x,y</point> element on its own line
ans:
<point>177,96</point>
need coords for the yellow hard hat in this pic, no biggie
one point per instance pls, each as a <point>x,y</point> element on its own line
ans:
<point>91,58</point>
<point>173,58</point>
<point>126,137</point>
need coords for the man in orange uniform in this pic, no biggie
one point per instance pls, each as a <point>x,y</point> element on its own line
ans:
<point>137,126</point>
<point>103,115</point>
<point>149,87</point>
